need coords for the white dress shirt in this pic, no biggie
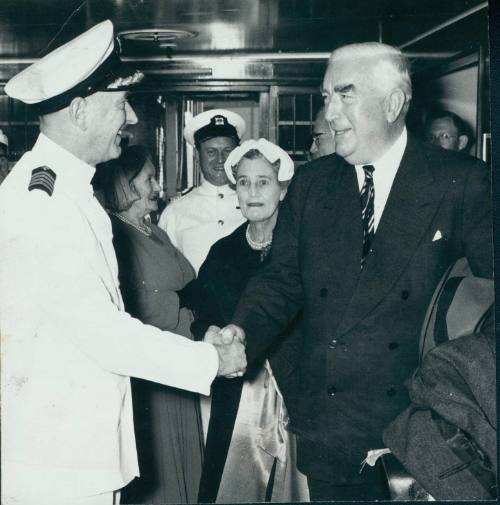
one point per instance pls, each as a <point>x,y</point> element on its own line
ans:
<point>68,347</point>
<point>385,171</point>
<point>195,221</point>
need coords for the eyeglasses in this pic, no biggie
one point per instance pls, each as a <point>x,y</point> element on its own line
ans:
<point>440,136</point>
<point>316,137</point>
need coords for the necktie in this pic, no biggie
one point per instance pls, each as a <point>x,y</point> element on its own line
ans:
<point>367,197</point>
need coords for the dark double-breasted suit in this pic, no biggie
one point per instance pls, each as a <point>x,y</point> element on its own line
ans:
<point>360,328</point>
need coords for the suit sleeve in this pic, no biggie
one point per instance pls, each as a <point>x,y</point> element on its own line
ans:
<point>66,294</point>
<point>274,296</point>
<point>477,223</point>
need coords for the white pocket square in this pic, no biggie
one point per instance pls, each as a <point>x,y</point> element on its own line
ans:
<point>437,236</point>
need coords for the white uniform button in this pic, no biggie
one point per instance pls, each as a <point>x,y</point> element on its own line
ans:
<point>220,222</point>
<point>220,195</point>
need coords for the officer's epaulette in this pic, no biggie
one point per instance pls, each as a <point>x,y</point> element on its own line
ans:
<point>43,178</point>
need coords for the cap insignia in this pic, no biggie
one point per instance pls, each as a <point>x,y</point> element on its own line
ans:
<point>121,82</point>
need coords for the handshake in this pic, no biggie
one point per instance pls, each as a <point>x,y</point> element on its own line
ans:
<point>230,345</point>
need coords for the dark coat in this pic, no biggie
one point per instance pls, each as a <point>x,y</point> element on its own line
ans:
<point>447,437</point>
<point>361,328</point>
<point>214,295</point>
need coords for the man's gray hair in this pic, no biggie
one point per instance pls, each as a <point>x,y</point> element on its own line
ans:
<point>391,68</point>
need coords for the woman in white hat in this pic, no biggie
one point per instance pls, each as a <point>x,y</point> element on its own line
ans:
<point>249,456</point>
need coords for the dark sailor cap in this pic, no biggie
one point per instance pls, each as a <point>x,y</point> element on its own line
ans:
<point>81,67</point>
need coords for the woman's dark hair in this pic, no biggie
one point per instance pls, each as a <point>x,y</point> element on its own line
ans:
<point>118,176</point>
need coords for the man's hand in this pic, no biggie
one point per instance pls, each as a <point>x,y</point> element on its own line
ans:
<point>230,345</point>
<point>227,335</point>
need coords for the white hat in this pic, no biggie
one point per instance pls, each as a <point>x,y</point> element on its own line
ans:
<point>82,66</point>
<point>214,123</point>
<point>270,151</point>
<point>3,139</point>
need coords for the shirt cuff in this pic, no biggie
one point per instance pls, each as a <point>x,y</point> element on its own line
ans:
<point>212,365</point>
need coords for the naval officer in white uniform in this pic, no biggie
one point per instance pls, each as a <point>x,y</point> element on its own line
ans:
<point>209,212</point>
<point>68,347</point>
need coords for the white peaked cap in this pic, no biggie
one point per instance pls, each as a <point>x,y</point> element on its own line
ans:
<point>221,120</point>
<point>80,67</point>
<point>270,151</point>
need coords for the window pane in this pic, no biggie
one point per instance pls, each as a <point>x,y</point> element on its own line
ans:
<point>286,137</point>
<point>286,107</point>
<point>302,137</point>
<point>303,108</point>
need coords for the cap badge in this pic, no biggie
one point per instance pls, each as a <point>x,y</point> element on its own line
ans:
<point>126,81</point>
<point>43,178</point>
<point>219,120</point>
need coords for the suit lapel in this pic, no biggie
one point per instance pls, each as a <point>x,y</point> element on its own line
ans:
<point>412,203</point>
<point>341,234</point>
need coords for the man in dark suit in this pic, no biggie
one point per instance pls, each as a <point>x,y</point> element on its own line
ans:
<point>362,239</point>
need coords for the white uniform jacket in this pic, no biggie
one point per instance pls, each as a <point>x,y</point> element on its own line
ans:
<point>197,220</point>
<point>68,347</point>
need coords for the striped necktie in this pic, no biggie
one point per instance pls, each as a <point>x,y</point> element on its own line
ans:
<point>367,197</point>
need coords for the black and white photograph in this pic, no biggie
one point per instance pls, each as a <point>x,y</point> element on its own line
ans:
<point>246,251</point>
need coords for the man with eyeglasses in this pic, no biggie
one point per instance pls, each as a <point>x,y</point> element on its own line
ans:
<point>447,130</point>
<point>323,137</point>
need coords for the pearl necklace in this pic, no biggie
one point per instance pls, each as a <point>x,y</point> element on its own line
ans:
<point>144,229</point>
<point>257,246</point>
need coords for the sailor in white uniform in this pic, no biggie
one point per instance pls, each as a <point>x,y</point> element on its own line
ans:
<point>195,221</point>
<point>68,347</point>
